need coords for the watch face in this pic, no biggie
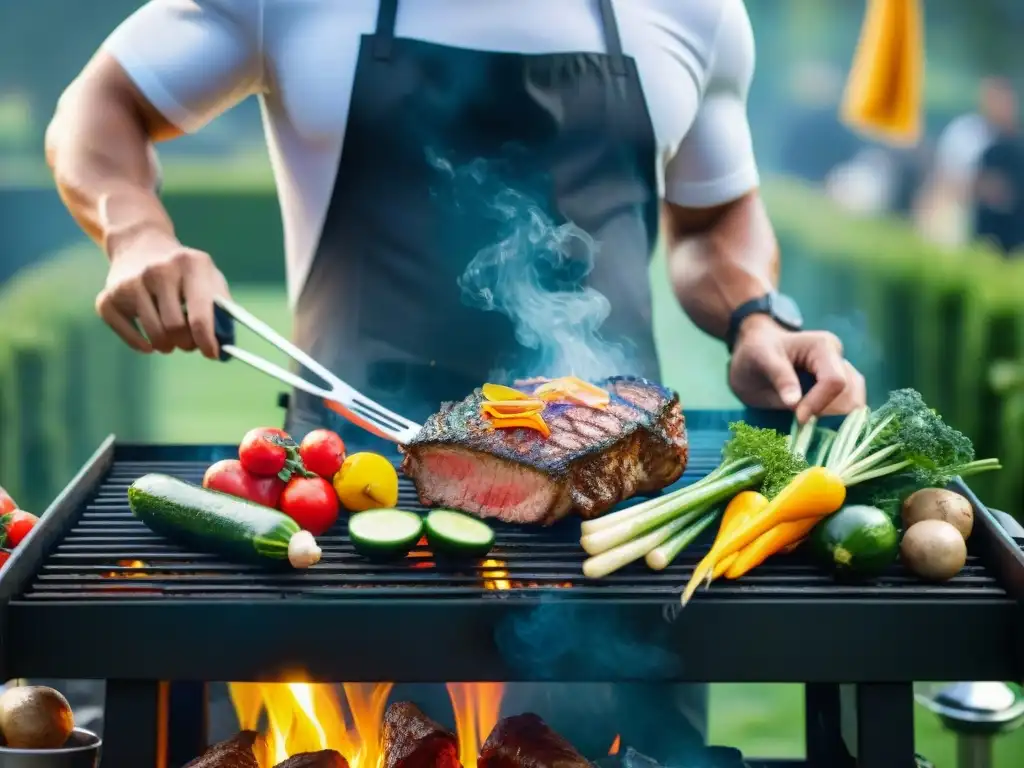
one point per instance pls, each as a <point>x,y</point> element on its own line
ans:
<point>786,311</point>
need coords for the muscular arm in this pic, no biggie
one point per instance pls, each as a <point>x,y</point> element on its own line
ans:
<point>173,64</point>
<point>98,146</point>
<point>720,246</point>
<point>719,258</point>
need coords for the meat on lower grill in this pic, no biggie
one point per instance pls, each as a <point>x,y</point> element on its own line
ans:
<point>526,741</point>
<point>593,459</point>
<point>410,739</point>
<point>236,752</point>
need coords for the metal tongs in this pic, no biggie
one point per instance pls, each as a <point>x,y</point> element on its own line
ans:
<point>337,395</point>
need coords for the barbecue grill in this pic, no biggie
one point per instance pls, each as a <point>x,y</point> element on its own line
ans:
<point>93,594</point>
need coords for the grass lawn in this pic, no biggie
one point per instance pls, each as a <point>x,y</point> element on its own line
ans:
<point>202,401</point>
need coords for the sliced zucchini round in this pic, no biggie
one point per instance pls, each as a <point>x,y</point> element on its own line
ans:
<point>458,535</point>
<point>384,533</point>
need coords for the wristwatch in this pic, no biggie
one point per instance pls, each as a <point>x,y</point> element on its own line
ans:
<point>778,306</point>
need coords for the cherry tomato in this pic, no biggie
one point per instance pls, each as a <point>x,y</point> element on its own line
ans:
<point>268,451</point>
<point>6,502</point>
<point>229,476</point>
<point>17,525</point>
<point>311,502</point>
<point>322,452</point>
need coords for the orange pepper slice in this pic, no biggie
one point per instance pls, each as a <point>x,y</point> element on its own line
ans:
<point>574,390</point>
<point>503,409</point>
<point>500,393</point>
<point>532,421</point>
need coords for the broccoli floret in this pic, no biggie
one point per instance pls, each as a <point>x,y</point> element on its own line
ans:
<point>906,442</point>
<point>923,437</point>
<point>768,449</point>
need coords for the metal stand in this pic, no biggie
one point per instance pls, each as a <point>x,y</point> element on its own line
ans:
<point>881,716</point>
<point>188,715</point>
<point>135,724</point>
<point>977,713</point>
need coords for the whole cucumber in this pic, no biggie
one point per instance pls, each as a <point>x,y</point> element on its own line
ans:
<point>209,521</point>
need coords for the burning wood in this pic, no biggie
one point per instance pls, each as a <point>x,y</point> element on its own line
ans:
<point>233,753</point>
<point>410,739</point>
<point>526,741</point>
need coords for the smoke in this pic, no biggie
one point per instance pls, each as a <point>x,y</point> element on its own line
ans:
<point>557,639</point>
<point>534,275</point>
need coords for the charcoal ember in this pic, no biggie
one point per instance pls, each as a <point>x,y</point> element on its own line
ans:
<point>410,739</point>
<point>325,758</point>
<point>526,741</point>
<point>593,459</point>
<point>236,752</point>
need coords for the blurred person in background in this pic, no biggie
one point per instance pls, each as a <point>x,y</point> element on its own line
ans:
<point>947,204</point>
<point>649,123</point>
<point>999,180</point>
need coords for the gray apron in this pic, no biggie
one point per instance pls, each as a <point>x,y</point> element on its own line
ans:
<point>448,152</point>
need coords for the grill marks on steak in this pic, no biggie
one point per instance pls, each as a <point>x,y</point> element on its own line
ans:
<point>526,741</point>
<point>592,460</point>
<point>410,739</point>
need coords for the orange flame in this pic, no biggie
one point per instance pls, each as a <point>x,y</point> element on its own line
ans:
<point>136,574</point>
<point>614,748</point>
<point>308,717</point>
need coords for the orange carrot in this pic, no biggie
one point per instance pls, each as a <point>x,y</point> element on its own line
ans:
<point>742,507</point>
<point>814,493</point>
<point>532,421</point>
<point>500,409</point>
<point>768,544</point>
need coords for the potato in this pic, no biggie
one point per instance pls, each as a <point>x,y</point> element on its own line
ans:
<point>35,717</point>
<point>934,550</point>
<point>939,504</point>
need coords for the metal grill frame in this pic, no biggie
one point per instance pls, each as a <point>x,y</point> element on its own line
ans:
<point>724,637</point>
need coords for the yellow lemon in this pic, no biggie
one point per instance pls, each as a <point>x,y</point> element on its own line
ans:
<point>366,481</point>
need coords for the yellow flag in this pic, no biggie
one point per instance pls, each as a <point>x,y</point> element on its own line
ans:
<point>884,95</point>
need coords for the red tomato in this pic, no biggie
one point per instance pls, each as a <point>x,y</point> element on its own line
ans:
<point>5,555</point>
<point>229,476</point>
<point>17,525</point>
<point>311,502</point>
<point>268,451</point>
<point>322,452</point>
<point>6,502</point>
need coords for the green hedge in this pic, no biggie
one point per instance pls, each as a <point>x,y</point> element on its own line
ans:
<point>65,380</point>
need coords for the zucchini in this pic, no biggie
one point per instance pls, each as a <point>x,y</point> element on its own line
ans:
<point>856,541</point>
<point>458,535</point>
<point>210,521</point>
<point>383,534</point>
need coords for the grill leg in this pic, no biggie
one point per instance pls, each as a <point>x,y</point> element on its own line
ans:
<point>135,724</point>
<point>884,717</point>
<point>823,727</point>
<point>187,734</point>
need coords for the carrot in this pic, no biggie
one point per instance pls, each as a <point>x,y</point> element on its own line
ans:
<point>742,507</point>
<point>813,493</point>
<point>768,544</point>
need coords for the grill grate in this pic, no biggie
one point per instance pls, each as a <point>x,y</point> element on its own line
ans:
<point>107,555</point>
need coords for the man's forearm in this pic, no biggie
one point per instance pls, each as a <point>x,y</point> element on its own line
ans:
<point>720,258</point>
<point>99,149</point>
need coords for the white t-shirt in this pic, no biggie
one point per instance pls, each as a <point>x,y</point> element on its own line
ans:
<point>193,59</point>
<point>960,147</point>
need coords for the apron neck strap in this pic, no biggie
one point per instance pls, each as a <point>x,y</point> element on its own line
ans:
<point>387,14</point>
<point>612,42</point>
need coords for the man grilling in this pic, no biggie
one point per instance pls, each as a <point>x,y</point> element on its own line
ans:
<point>630,112</point>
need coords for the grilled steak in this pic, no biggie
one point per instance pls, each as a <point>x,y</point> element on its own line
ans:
<point>236,752</point>
<point>410,739</point>
<point>526,741</point>
<point>325,758</point>
<point>593,458</point>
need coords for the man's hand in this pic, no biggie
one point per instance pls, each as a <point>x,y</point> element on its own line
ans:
<point>764,365</point>
<point>165,289</point>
